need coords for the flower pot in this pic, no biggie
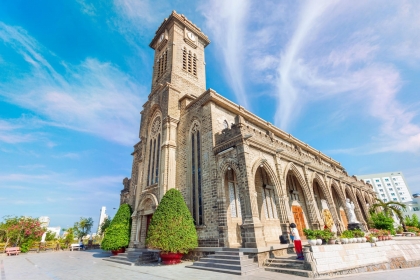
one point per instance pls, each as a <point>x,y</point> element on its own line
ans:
<point>312,242</point>
<point>331,241</point>
<point>364,239</point>
<point>318,241</point>
<point>374,239</point>
<point>119,251</point>
<point>353,240</point>
<point>344,240</point>
<point>380,238</point>
<point>359,240</point>
<point>170,258</point>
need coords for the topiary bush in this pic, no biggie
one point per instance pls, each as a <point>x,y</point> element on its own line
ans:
<point>117,235</point>
<point>172,227</point>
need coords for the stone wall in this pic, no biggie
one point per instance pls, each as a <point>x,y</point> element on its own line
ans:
<point>332,260</point>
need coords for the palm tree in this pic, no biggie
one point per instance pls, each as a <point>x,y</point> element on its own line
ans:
<point>391,208</point>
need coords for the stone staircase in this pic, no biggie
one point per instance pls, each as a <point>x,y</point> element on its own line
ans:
<point>228,260</point>
<point>288,265</point>
<point>135,257</point>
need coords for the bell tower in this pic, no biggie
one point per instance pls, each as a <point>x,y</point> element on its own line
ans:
<point>179,55</point>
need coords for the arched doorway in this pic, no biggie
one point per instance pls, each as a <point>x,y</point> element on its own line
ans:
<point>147,207</point>
<point>234,214</point>
<point>267,205</point>
<point>321,202</point>
<point>297,202</point>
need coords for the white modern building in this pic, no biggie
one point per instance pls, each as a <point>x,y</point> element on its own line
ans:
<point>390,186</point>
<point>413,207</point>
<point>102,218</point>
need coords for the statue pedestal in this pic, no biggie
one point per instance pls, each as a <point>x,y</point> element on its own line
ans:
<point>353,226</point>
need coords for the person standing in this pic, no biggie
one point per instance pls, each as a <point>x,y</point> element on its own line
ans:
<point>296,241</point>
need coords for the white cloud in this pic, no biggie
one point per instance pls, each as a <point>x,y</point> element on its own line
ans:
<point>86,8</point>
<point>93,97</point>
<point>9,133</point>
<point>226,22</point>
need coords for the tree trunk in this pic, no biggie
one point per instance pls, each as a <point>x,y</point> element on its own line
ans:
<point>404,226</point>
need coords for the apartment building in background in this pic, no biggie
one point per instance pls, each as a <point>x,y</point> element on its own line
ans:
<point>390,186</point>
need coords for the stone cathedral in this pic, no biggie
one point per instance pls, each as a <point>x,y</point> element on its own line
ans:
<point>243,179</point>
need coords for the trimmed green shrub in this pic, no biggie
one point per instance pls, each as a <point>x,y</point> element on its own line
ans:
<point>381,221</point>
<point>117,235</point>
<point>172,226</point>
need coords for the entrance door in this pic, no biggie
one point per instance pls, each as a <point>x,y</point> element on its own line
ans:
<point>344,218</point>
<point>299,220</point>
<point>148,219</point>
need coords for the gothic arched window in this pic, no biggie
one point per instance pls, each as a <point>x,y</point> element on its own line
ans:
<point>269,203</point>
<point>154,152</point>
<point>196,184</point>
<point>234,201</point>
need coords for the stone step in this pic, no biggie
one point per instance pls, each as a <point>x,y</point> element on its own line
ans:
<point>286,265</point>
<point>227,261</point>
<point>292,271</point>
<point>229,253</point>
<point>230,250</point>
<point>122,258</point>
<point>222,270</point>
<point>243,267</point>
<point>126,262</point>
<point>227,257</point>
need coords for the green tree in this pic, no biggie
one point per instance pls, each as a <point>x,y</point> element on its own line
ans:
<point>82,227</point>
<point>105,224</point>
<point>415,220</point>
<point>20,231</point>
<point>117,235</point>
<point>50,236</point>
<point>381,221</point>
<point>69,236</point>
<point>172,226</point>
<point>391,208</point>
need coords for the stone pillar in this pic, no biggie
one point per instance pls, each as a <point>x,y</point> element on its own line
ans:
<point>310,203</point>
<point>221,209</point>
<point>331,205</point>
<point>283,213</point>
<point>133,232</point>
<point>167,160</point>
<point>253,235</point>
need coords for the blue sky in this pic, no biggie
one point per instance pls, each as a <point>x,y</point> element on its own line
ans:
<point>342,76</point>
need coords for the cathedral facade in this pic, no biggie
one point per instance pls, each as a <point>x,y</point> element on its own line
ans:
<point>243,179</point>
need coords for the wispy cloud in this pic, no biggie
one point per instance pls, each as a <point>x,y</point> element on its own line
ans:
<point>93,97</point>
<point>226,22</point>
<point>86,8</point>
<point>9,133</point>
<point>68,155</point>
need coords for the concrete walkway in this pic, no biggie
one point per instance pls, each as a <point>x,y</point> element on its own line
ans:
<point>89,265</point>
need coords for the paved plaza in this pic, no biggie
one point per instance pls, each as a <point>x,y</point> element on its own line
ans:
<point>89,265</point>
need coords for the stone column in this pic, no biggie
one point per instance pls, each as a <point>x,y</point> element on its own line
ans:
<point>310,203</point>
<point>283,213</point>
<point>331,205</point>
<point>133,232</point>
<point>221,209</point>
<point>253,236</point>
<point>167,160</point>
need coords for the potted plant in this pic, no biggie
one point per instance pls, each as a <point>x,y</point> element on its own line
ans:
<point>344,238</point>
<point>311,236</point>
<point>117,235</point>
<point>380,234</point>
<point>358,234</point>
<point>172,228</point>
<point>327,235</point>
<point>318,234</point>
